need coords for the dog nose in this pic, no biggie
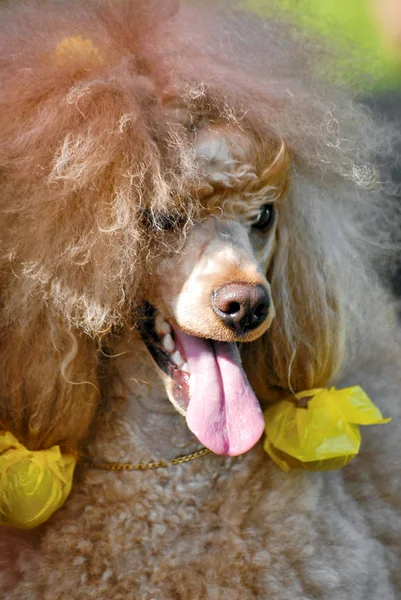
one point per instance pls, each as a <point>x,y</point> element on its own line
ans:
<point>241,306</point>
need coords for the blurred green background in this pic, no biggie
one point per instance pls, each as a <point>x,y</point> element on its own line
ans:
<point>352,25</point>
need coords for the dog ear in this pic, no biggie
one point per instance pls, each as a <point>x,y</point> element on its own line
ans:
<point>49,376</point>
<point>304,347</point>
<point>88,153</point>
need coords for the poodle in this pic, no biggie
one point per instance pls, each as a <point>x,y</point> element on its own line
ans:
<point>192,224</point>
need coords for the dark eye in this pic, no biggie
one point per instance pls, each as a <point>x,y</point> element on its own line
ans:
<point>163,221</point>
<point>264,218</point>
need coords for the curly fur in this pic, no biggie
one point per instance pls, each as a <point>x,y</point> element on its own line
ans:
<point>97,151</point>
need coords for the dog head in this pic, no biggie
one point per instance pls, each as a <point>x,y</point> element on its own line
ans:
<point>189,168</point>
<point>215,293</point>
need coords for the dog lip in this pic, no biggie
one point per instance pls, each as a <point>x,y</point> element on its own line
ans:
<point>228,336</point>
<point>178,377</point>
<point>152,339</point>
<point>222,335</point>
<point>147,315</point>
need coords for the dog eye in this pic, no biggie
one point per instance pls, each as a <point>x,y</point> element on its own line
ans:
<point>264,218</point>
<point>163,221</point>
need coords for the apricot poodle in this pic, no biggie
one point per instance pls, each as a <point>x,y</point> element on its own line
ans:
<point>191,229</point>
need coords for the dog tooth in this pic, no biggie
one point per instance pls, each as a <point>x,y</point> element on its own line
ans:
<point>185,368</point>
<point>158,322</point>
<point>177,358</point>
<point>161,326</point>
<point>168,343</point>
<point>165,328</point>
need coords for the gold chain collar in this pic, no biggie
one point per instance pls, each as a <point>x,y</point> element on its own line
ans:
<point>162,464</point>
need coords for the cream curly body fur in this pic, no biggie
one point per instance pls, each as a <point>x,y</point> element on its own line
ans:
<point>218,527</point>
<point>140,144</point>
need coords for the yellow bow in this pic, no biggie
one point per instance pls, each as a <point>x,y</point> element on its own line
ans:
<point>33,485</point>
<point>320,433</point>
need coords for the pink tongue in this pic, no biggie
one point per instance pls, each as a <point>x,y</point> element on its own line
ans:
<point>223,411</point>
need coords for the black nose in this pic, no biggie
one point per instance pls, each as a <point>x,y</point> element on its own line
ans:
<point>241,306</point>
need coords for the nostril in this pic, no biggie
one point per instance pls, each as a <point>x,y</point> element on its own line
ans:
<point>261,309</point>
<point>233,308</point>
<point>241,306</point>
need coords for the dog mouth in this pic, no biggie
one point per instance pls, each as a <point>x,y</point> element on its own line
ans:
<point>207,384</point>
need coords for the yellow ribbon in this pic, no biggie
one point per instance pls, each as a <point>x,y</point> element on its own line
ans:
<point>33,485</point>
<point>321,433</point>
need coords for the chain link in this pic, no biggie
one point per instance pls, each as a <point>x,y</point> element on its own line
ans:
<point>162,464</point>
